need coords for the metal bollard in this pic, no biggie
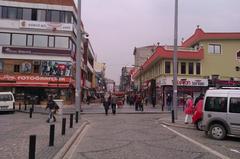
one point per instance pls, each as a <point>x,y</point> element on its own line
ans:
<point>173,121</point>
<point>63,126</point>
<point>71,120</point>
<point>76,117</point>
<point>32,146</point>
<point>19,106</point>
<point>25,108</point>
<point>32,106</point>
<point>30,112</point>
<point>51,135</point>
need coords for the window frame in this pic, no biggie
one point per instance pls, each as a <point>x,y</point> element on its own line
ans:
<point>230,104</point>
<point>213,108</point>
<point>190,68</point>
<point>214,46</point>
<point>183,65</point>
<point>165,67</point>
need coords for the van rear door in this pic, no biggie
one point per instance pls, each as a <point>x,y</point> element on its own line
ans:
<point>234,114</point>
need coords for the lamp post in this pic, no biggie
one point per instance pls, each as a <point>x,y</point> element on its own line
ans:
<point>174,108</point>
<point>78,62</point>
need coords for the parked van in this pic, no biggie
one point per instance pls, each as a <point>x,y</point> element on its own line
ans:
<point>221,113</point>
<point>6,101</point>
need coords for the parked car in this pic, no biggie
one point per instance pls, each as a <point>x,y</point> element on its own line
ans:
<point>6,102</point>
<point>221,113</point>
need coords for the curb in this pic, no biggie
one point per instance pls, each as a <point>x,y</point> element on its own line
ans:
<point>127,113</point>
<point>69,143</point>
<point>177,125</point>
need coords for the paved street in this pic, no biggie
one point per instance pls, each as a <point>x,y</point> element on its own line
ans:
<point>133,136</point>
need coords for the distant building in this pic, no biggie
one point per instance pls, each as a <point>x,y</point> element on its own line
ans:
<point>141,54</point>
<point>125,79</point>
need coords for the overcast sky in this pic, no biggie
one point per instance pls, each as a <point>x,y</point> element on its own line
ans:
<point>117,26</point>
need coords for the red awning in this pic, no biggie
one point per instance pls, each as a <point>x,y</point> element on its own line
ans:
<point>49,85</point>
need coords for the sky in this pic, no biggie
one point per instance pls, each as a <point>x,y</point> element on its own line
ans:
<point>115,27</point>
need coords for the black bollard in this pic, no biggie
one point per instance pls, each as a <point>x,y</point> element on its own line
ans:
<point>173,121</point>
<point>25,108</point>
<point>32,146</point>
<point>76,117</point>
<point>71,120</point>
<point>51,135</point>
<point>30,112</point>
<point>19,106</point>
<point>32,106</point>
<point>63,126</point>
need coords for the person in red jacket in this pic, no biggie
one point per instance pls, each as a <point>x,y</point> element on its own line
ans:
<point>189,108</point>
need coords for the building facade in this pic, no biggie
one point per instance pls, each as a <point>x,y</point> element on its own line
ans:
<point>38,49</point>
<point>125,79</point>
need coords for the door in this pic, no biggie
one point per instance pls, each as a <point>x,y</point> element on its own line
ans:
<point>234,115</point>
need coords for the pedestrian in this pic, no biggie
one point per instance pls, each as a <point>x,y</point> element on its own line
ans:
<point>189,108</point>
<point>153,101</point>
<point>169,101</point>
<point>114,103</point>
<point>53,107</point>
<point>198,98</point>
<point>106,103</point>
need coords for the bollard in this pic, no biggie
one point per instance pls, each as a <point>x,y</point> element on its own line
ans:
<point>19,106</point>
<point>173,116</point>
<point>51,135</point>
<point>63,126</point>
<point>76,117</point>
<point>30,112</point>
<point>32,106</point>
<point>71,120</point>
<point>32,146</point>
<point>25,108</point>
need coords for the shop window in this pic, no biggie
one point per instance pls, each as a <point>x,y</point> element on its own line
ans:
<point>214,48</point>
<point>19,39</point>
<point>26,67</point>
<point>5,38</point>
<point>234,105</point>
<point>198,68</point>
<point>183,68</point>
<point>27,14</point>
<point>1,66</point>
<point>190,68</point>
<point>16,68</point>
<point>216,104</point>
<point>167,67</point>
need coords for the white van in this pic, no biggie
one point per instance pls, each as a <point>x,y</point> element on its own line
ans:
<point>221,113</point>
<point>6,101</point>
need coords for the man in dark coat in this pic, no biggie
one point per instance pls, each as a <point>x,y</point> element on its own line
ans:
<point>52,106</point>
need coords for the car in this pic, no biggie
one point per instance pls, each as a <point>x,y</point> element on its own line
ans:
<point>7,102</point>
<point>221,113</point>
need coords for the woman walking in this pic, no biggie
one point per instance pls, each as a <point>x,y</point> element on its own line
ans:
<point>189,109</point>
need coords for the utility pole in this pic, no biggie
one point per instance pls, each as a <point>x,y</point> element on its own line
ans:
<point>78,62</point>
<point>174,108</point>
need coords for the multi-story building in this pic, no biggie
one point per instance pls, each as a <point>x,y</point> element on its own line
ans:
<point>38,47</point>
<point>141,54</point>
<point>125,79</point>
<point>204,59</point>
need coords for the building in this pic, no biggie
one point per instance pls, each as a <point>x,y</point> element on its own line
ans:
<point>110,85</point>
<point>38,49</point>
<point>204,60</point>
<point>141,54</point>
<point>126,79</point>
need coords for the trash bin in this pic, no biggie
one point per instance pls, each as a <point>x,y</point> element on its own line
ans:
<point>59,102</point>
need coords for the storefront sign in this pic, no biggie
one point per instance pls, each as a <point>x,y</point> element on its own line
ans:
<point>183,82</point>
<point>45,25</point>
<point>25,78</point>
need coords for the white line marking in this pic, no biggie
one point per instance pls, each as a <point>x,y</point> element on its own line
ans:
<point>75,144</point>
<point>233,150</point>
<point>198,144</point>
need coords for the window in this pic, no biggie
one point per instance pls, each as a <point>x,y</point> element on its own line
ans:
<point>12,12</point>
<point>16,68</point>
<point>234,105</point>
<point>41,15</point>
<point>190,68</point>
<point>183,68</point>
<point>61,42</point>
<point>51,41</point>
<point>0,11</point>
<point>36,68</point>
<point>34,14</point>
<point>29,40</point>
<point>167,67</point>
<point>40,40</point>
<point>214,48</point>
<point>216,104</point>
<point>55,16</point>
<point>198,68</point>
<point>19,39</point>
<point>1,66</point>
<point>48,15</point>
<point>62,17</point>
<point>27,14</point>
<point>68,17</point>
<point>19,13</point>
<point>5,39</point>
<point>4,12</point>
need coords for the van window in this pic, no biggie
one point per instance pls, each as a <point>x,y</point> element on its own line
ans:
<point>216,104</point>
<point>5,97</point>
<point>234,105</point>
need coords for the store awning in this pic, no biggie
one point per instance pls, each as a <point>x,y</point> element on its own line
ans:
<point>49,85</point>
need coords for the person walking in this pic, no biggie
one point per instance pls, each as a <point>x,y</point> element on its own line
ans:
<point>53,107</point>
<point>189,108</point>
<point>106,103</point>
<point>114,103</point>
<point>169,101</point>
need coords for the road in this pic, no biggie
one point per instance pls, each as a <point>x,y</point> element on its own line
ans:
<point>136,136</point>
